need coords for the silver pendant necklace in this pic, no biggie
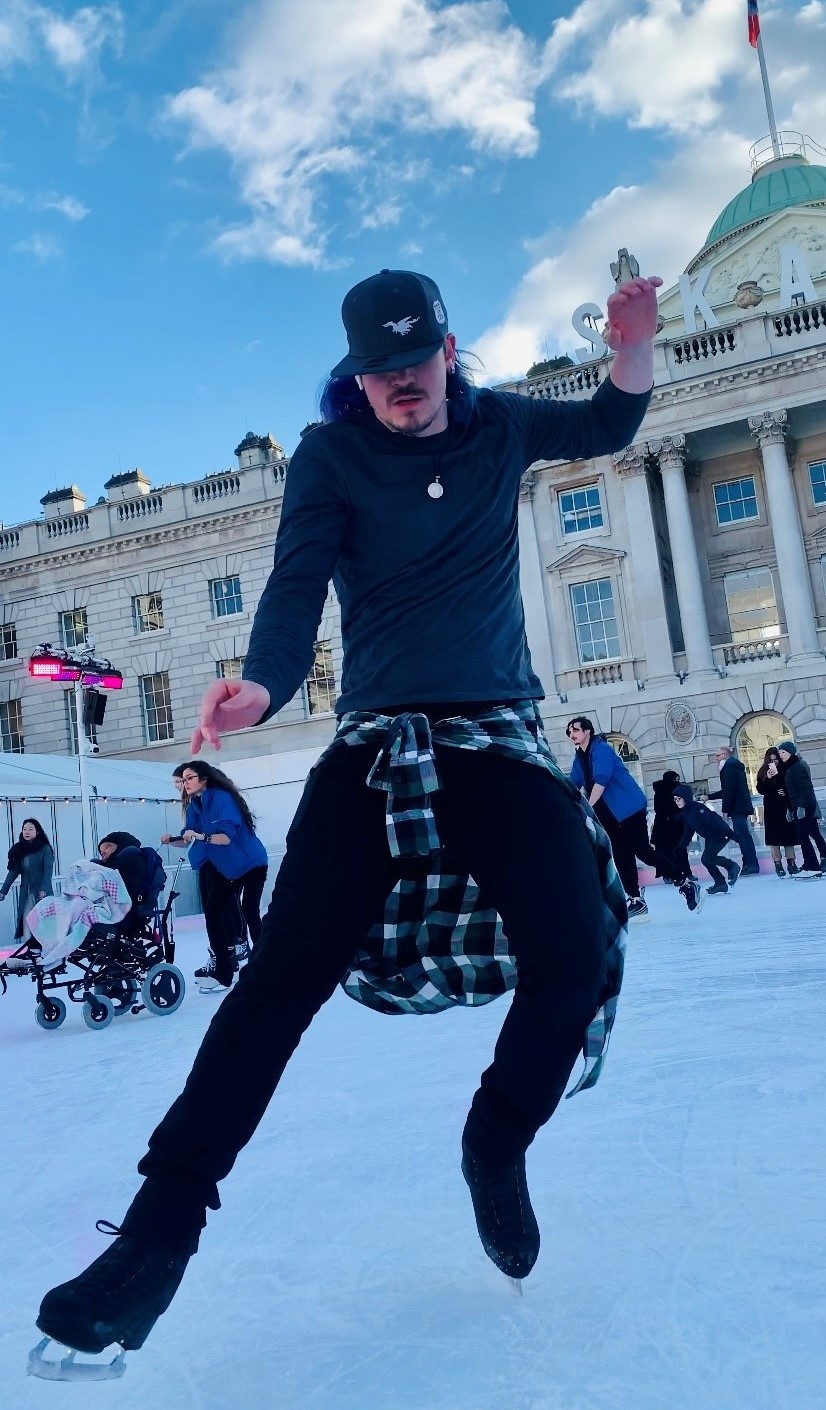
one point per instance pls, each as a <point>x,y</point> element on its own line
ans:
<point>434,489</point>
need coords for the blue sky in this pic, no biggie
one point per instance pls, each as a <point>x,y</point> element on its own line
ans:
<point>185,198</point>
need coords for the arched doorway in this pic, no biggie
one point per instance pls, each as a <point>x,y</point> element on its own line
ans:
<point>754,735</point>
<point>628,753</point>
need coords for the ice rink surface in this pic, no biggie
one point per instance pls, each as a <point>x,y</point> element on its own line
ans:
<point>682,1202</point>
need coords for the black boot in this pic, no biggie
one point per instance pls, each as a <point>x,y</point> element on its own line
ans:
<point>119,1297</point>
<point>504,1217</point>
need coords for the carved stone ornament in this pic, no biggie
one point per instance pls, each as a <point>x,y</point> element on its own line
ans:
<point>625,268</point>
<point>669,450</point>
<point>770,428</point>
<point>630,462</point>
<point>681,722</point>
<point>749,294</point>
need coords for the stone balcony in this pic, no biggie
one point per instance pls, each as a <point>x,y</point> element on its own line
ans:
<point>160,508</point>
<point>750,340</point>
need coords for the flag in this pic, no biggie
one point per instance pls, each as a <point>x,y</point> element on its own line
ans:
<point>754,24</point>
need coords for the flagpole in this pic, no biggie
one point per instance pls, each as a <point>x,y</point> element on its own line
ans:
<point>767,94</point>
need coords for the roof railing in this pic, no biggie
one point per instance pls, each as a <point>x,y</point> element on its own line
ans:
<point>791,144</point>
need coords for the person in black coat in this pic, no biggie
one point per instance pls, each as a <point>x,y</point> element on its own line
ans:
<point>803,809</point>
<point>778,832</point>
<point>737,805</point>
<point>667,828</point>
<point>714,832</point>
<point>31,862</point>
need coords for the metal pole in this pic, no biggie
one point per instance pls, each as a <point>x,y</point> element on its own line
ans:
<point>86,829</point>
<point>767,95</point>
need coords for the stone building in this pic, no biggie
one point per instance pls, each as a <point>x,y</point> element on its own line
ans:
<point>675,593</point>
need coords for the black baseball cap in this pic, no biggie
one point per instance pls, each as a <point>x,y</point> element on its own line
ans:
<point>393,319</point>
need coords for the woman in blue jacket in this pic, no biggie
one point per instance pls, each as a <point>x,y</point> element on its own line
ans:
<point>620,805</point>
<point>226,854</point>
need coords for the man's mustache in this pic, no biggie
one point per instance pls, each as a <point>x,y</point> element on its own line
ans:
<point>406,392</point>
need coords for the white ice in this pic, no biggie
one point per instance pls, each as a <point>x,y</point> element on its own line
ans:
<point>681,1201</point>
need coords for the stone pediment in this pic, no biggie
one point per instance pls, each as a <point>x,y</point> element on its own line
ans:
<point>753,254</point>
<point>587,555</point>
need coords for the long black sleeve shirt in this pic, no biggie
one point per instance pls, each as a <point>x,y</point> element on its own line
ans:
<point>428,588</point>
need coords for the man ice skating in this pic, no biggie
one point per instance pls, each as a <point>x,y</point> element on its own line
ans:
<point>407,498</point>
<point>737,805</point>
<point>714,832</point>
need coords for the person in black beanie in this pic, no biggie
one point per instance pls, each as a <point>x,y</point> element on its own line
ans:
<point>715,832</point>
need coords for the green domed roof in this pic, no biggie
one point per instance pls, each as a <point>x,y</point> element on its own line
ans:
<point>776,191</point>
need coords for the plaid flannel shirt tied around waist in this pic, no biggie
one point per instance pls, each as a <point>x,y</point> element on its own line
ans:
<point>438,944</point>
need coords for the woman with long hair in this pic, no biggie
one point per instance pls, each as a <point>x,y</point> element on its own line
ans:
<point>225,851</point>
<point>778,832</point>
<point>31,860</point>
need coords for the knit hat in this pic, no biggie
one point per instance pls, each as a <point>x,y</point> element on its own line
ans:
<point>788,745</point>
<point>121,840</point>
<point>393,319</point>
<point>684,791</point>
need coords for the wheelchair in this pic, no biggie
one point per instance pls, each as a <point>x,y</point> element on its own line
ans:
<point>118,969</point>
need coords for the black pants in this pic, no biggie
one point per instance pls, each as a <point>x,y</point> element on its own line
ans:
<point>249,889</point>
<point>712,861</point>
<point>514,830</point>
<point>745,841</point>
<point>629,840</point>
<point>808,832</point>
<point>222,915</point>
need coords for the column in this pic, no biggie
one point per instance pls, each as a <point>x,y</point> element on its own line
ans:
<point>769,430</point>
<point>670,452</point>
<point>533,590</point>
<point>645,563</point>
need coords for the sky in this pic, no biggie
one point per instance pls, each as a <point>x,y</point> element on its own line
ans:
<point>187,191</point>
<point>680,1201</point>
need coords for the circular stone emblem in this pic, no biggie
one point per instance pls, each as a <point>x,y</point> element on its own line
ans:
<point>680,722</point>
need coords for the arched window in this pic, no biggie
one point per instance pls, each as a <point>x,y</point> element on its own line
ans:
<point>628,753</point>
<point>753,736</point>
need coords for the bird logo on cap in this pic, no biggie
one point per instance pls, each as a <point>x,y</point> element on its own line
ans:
<point>403,326</point>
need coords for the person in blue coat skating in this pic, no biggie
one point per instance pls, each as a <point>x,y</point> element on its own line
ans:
<point>620,805</point>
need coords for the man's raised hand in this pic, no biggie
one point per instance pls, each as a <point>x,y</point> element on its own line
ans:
<point>227,706</point>
<point>632,313</point>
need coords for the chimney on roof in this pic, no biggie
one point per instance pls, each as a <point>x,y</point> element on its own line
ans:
<point>258,450</point>
<point>127,486</point>
<point>70,500</point>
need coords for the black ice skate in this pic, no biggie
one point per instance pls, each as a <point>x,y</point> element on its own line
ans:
<point>504,1217</point>
<point>116,1301</point>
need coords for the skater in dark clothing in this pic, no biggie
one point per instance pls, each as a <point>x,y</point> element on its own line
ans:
<point>778,832</point>
<point>737,805</point>
<point>620,805</point>
<point>667,827</point>
<point>406,497</point>
<point>803,809</point>
<point>714,831</point>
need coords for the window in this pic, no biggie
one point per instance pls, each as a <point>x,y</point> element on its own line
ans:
<point>71,720</point>
<point>8,641</point>
<point>735,500</point>
<point>147,612</point>
<point>817,478</point>
<point>755,736</point>
<point>595,621</point>
<point>321,682</point>
<point>74,628</point>
<point>11,727</point>
<point>157,707</point>
<point>629,755</point>
<point>231,669</point>
<point>752,605</point>
<point>580,509</point>
<point>226,596</point>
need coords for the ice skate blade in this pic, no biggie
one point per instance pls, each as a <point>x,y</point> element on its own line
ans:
<point>68,1369</point>
<point>516,1286</point>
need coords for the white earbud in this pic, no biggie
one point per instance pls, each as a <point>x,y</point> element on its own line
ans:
<point>359,383</point>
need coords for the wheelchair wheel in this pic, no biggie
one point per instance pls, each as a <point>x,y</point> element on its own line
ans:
<point>50,1013</point>
<point>163,989</point>
<point>122,989</point>
<point>98,1011</point>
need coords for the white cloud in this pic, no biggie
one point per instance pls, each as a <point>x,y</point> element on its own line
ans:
<point>813,13</point>
<point>41,248</point>
<point>69,206</point>
<point>74,43</point>
<point>290,125</point>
